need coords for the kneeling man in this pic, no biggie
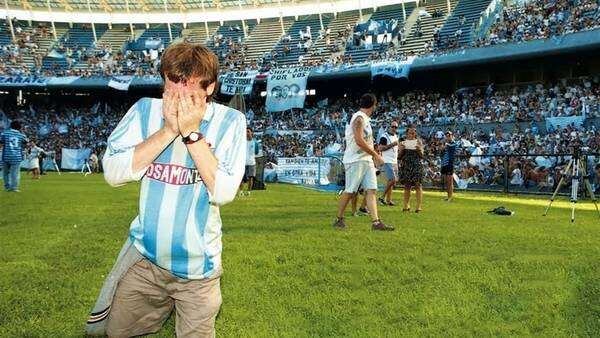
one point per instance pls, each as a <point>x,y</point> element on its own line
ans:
<point>189,154</point>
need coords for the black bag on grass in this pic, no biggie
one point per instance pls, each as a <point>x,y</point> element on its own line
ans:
<point>502,211</point>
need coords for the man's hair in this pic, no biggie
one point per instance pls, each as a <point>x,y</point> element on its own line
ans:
<point>183,60</point>
<point>16,125</point>
<point>367,101</point>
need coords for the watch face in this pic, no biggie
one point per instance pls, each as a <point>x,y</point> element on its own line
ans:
<point>194,137</point>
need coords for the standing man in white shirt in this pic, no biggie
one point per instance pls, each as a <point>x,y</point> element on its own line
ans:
<point>360,158</point>
<point>189,153</point>
<point>388,146</point>
<point>251,151</point>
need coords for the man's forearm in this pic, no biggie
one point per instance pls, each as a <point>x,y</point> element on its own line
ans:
<point>362,144</point>
<point>148,151</point>
<point>387,146</point>
<point>205,162</point>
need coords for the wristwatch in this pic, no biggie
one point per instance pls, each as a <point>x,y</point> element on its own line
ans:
<point>193,137</point>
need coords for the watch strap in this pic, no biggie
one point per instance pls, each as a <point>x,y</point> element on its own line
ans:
<point>187,139</point>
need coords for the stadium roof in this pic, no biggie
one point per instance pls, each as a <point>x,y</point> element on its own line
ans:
<point>173,11</point>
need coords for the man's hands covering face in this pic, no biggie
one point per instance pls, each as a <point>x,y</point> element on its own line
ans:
<point>170,111</point>
<point>183,110</point>
<point>190,112</point>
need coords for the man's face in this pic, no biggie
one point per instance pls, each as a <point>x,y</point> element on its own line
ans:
<point>393,128</point>
<point>449,137</point>
<point>192,85</point>
<point>372,110</point>
<point>248,134</point>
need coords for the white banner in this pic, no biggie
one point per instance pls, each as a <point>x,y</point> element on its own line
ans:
<point>303,170</point>
<point>562,122</point>
<point>120,82</point>
<point>63,80</point>
<point>238,82</point>
<point>286,88</point>
<point>74,159</point>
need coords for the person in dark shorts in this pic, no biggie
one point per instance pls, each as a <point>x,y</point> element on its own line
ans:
<point>411,172</point>
<point>447,168</point>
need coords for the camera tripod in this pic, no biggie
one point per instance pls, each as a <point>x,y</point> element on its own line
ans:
<point>577,170</point>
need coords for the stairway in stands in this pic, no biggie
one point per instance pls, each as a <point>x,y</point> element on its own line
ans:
<point>265,36</point>
<point>311,21</point>
<point>196,32</point>
<point>115,37</point>
<point>360,54</point>
<point>414,43</point>
<point>80,36</point>
<point>336,25</point>
<point>471,9</point>
<point>162,31</point>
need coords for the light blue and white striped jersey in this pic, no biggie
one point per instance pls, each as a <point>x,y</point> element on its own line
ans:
<point>179,226</point>
<point>12,142</point>
<point>251,151</point>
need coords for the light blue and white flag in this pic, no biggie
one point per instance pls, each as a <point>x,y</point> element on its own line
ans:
<point>395,69</point>
<point>74,159</point>
<point>564,121</point>
<point>120,82</point>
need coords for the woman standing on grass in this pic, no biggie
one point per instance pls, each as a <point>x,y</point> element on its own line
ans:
<point>34,162</point>
<point>411,169</point>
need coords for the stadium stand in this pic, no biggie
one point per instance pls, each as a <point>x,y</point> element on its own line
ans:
<point>541,20</point>
<point>333,42</point>
<point>227,42</point>
<point>458,28</point>
<point>426,27</point>
<point>199,33</point>
<point>271,43</point>
<point>155,35</point>
<point>81,36</point>
<point>357,52</point>
<point>299,39</point>
<point>264,37</point>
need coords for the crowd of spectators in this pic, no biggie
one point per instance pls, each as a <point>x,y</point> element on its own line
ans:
<point>487,121</point>
<point>542,19</point>
<point>466,106</point>
<point>13,55</point>
<point>56,124</point>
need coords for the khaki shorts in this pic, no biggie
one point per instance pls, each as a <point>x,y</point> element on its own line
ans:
<point>360,174</point>
<point>147,294</point>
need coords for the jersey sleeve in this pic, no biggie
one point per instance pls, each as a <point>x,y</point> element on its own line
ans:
<point>24,139</point>
<point>231,162</point>
<point>118,158</point>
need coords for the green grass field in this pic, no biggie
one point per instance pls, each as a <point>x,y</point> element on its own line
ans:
<point>452,270</point>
